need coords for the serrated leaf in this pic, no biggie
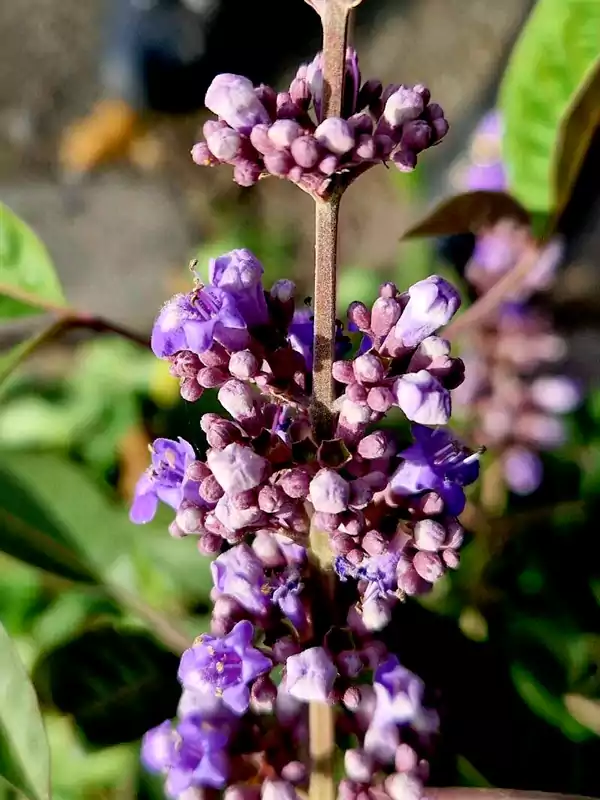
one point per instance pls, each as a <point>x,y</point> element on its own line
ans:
<point>26,266</point>
<point>467,213</point>
<point>116,684</point>
<point>24,754</point>
<point>546,113</point>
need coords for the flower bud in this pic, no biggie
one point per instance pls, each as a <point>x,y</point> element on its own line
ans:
<point>323,521</point>
<point>451,558</point>
<point>374,543</point>
<point>232,97</point>
<point>202,156</point>
<point>271,499</point>
<point>246,173</point>
<point>361,124</point>
<point>175,531</point>
<point>376,445</point>
<point>416,135</point>
<point>263,695</point>
<point>260,139</point>
<point>368,368</point>
<point>358,765</point>
<point>283,132</point>
<point>279,163</point>
<point>440,128</point>
<point>295,483</point>
<point>359,315</point>
<point>405,759</point>
<point>335,134</point>
<point>224,144</point>
<point>432,303</point>
<point>294,772</point>
<point>237,398</point>
<point>328,165</point>
<point>356,392</point>
<point>243,500</point>
<point>422,398</point>
<point>284,648</point>
<point>429,535</point>
<point>300,93</point>
<point>283,290</point>
<point>351,698</point>
<point>404,160</point>
<point>237,468</point>
<point>366,148</point>
<point>266,547</point>
<point>376,614</point>
<point>402,786</point>
<point>341,544</point>
<point>209,544</point>
<point>402,106</point>
<point>243,364</point>
<point>212,377</point>
<point>190,390</point>
<point>329,492</point>
<point>278,790</point>
<point>221,433</point>
<point>384,315</point>
<point>190,519</point>
<point>184,364</point>
<point>429,566</point>
<point>343,371</point>
<point>380,399</point>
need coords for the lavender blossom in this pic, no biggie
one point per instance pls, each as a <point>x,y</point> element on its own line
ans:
<point>224,666</point>
<point>310,675</point>
<point>164,480</point>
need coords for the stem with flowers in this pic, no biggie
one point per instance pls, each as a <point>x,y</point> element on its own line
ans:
<point>319,524</point>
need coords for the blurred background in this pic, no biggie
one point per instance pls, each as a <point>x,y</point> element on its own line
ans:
<point>100,103</point>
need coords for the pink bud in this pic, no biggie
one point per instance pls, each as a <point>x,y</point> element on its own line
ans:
<point>429,535</point>
<point>360,315</point>
<point>384,315</point>
<point>451,559</point>
<point>306,151</point>
<point>429,566</point>
<point>403,105</point>
<point>359,766</point>
<point>356,392</point>
<point>422,398</point>
<point>368,368</point>
<point>190,390</point>
<point>267,549</point>
<point>283,132</point>
<point>210,489</point>
<point>329,492</point>
<point>209,544</point>
<point>271,499</point>
<point>343,371</point>
<point>212,377</point>
<point>243,364</point>
<point>374,543</point>
<point>405,759</point>
<point>328,165</point>
<point>295,483</point>
<point>260,139</point>
<point>380,399</point>
<point>341,543</point>
<point>202,156</point>
<point>376,614</point>
<point>335,134</point>
<point>405,160</point>
<point>361,493</point>
<point>263,695</point>
<point>237,398</point>
<point>175,531</point>
<point>237,468</point>
<point>323,521</point>
<point>279,163</point>
<point>184,364</point>
<point>224,144</point>
<point>243,500</point>
<point>366,149</point>
<point>351,698</point>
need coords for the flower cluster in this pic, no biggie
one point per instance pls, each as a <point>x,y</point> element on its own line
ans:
<point>514,397</point>
<point>268,495</point>
<point>390,512</point>
<point>261,132</point>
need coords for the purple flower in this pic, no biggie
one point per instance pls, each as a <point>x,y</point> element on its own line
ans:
<point>399,694</point>
<point>310,675</point>
<point>288,588</point>
<point>422,398</point>
<point>523,470</point>
<point>239,272</point>
<point>436,462</point>
<point>191,756</point>
<point>239,573</point>
<point>432,303</point>
<point>163,480</point>
<point>232,97</point>
<point>192,321</point>
<point>300,335</point>
<point>224,666</point>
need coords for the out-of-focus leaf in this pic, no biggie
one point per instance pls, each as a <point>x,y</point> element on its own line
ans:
<point>467,213</point>
<point>547,115</point>
<point>584,710</point>
<point>25,265</point>
<point>11,360</point>
<point>76,771</point>
<point>24,754</point>
<point>470,775</point>
<point>114,683</point>
<point>545,704</point>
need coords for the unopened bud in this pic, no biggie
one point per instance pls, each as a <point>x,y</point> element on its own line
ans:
<point>271,499</point>
<point>237,398</point>
<point>374,543</point>
<point>260,139</point>
<point>429,566</point>
<point>368,368</point>
<point>380,399</point>
<point>190,519</point>
<point>359,766</point>
<point>279,163</point>
<point>210,489</point>
<point>384,315</point>
<point>209,544</point>
<point>335,134</point>
<point>212,377</point>
<point>429,535</point>
<point>359,315</point>
<point>351,698</point>
<point>243,364</point>
<point>295,483</point>
<point>190,390</point>
<point>343,371</point>
<point>328,165</point>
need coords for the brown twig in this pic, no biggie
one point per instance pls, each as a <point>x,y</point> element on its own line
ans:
<point>494,297</point>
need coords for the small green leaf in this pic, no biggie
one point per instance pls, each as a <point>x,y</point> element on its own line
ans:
<point>547,114</point>
<point>467,213</point>
<point>25,266</point>
<point>24,754</point>
<point>116,684</point>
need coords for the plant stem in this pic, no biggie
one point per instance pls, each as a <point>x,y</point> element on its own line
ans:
<point>334,16</point>
<point>324,309</point>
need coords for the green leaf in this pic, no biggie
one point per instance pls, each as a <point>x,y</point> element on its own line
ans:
<point>548,124</point>
<point>25,266</point>
<point>24,753</point>
<point>467,213</point>
<point>545,704</point>
<point>116,684</point>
